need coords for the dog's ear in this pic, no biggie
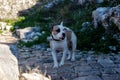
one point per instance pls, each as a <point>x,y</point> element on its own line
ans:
<point>51,27</point>
<point>61,23</point>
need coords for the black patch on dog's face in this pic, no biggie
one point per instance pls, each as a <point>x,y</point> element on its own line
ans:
<point>64,29</point>
<point>58,30</point>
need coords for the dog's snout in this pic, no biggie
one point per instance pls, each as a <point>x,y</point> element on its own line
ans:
<point>63,34</point>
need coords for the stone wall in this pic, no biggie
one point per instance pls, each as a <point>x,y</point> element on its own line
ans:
<point>9,9</point>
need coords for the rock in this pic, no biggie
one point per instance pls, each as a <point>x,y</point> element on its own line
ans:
<point>80,78</point>
<point>115,11</point>
<point>34,76</point>
<point>99,1</point>
<point>108,71</point>
<point>104,14</point>
<point>28,34</point>
<point>88,78</point>
<point>14,49</point>
<point>106,62</point>
<point>103,59</point>
<point>101,15</point>
<point>2,25</point>
<point>9,9</point>
<point>8,27</point>
<point>111,77</point>
<point>82,2</point>
<point>117,70</point>
<point>82,68</point>
<point>113,48</point>
<point>52,3</point>
<point>92,77</point>
<point>115,15</point>
<point>85,26</point>
<point>8,64</point>
<point>95,65</point>
<point>41,46</point>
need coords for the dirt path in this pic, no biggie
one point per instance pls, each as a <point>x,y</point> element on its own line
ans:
<point>7,38</point>
<point>87,66</point>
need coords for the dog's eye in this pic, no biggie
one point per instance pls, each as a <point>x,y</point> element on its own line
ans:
<point>58,30</point>
<point>64,29</point>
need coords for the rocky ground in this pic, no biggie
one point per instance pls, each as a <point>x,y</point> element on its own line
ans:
<point>88,66</point>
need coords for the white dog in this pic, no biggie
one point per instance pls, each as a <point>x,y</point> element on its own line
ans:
<point>62,38</point>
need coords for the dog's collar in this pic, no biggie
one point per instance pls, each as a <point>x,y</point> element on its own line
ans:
<point>55,39</point>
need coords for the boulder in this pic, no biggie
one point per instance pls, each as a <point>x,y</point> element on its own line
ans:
<point>101,16</point>
<point>116,21</point>
<point>115,15</point>
<point>34,76</point>
<point>29,34</point>
<point>9,9</point>
<point>106,15</point>
<point>8,64</point>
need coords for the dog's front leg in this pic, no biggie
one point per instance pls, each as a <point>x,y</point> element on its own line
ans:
<point>55,59</point>
<point>63,57</point>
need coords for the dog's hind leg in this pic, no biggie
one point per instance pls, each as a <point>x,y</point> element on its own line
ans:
<point>74,44</point>
<point>69,55</point>
<point>73,53</point>
<point>73,56</point>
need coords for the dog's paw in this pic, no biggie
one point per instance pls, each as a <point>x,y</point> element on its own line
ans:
<point>55,66</point>
<point>61,64</point>
<point>68,58</point>
<point>73,59</point>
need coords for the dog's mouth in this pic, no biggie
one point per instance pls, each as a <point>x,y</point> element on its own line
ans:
<point>60,38</point>
<point>63,36</point>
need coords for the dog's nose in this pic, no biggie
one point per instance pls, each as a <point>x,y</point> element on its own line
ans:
<point>63,34</point>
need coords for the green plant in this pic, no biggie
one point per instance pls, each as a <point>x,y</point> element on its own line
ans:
<point>89,39</point>
<point>1,31</point>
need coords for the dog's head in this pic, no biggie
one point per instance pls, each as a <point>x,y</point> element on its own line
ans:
<point>58,32</point>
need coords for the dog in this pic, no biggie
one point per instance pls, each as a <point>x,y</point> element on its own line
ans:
<point>62,38</point>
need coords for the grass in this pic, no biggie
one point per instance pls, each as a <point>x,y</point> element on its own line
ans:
<point>90,39</point>
<point>1,31</point>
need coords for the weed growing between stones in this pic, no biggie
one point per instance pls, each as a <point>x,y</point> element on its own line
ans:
<point>32,74</point>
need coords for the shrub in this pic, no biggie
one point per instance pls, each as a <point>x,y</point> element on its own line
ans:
<point>73,15</point>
